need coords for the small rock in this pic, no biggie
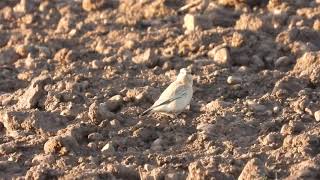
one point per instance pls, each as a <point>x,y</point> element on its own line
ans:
<point>148,58</point>
<point>286,129</point>
<point>109,60</point>
<point>95,137</point>
<point>283,61</point>
<point>98,112</point>
<point>237,39</point>
<point>96,64</point>
<point>22,50</point>
<point>292,127</point>
<point>115,123</point>
<point>148,167</point>
<point>108,149</point>
<point>190,22</point>
<point>157,145</point>
<point>276,109</point>
<point>254,169</point>
<point>272,139</point>
<point>53,145</point>
<point>24,6</point>
<point>130,44</point>
<point>114,103</point>
<point>65,56</point>
<point>317,115</point>
<point>34,92</point>
<point>234,80</point>
<point>220,55</point>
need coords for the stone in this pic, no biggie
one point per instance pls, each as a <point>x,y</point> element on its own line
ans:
<point>98,112</point>
<point>220,55</point>
<point>283,61</point>
<point>157,145</point>
<point>254,169</point>
<point>95,136</point>
<point>24,6</point>
<point>317,115</point>
<point>190,22</point>
<point>34,92</point>
<point>272,139</point>
<point>108,149</point>
<point>148,58</point>
<point>61,144</point>
<point>234,80</point>
<point>114,103</point>
<point>96,64</point>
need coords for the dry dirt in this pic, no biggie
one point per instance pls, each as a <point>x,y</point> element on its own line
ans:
<point>74,76</point>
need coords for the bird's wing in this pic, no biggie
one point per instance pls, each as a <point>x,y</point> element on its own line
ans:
<point>173,92</point>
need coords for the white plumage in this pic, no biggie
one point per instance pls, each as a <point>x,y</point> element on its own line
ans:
<point>176,97</point>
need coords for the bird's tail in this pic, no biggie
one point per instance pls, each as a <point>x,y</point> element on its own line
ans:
<point>146,112</point>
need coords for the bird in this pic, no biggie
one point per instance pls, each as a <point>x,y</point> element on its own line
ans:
<point>176,97</point>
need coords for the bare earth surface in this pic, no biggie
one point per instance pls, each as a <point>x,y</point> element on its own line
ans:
<point>75,75</point>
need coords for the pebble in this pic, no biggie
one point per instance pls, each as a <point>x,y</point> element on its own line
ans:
<point>317,115</point>
<point>95,137</point>
<point>108,149</point>
<point>190,22</point>
<point>234,80</point>
<point>96,64</point>
<point>115,123</point>
<point>271,139</point>
<point>220,55</point>
<point>283,61</point>
<point>156,145</point>
<point>98,112</point>
<point>114,102</point>
<point>285,129</point>
<point>148,58</point>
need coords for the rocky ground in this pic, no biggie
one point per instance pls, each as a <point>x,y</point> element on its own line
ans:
<point>74,76</point>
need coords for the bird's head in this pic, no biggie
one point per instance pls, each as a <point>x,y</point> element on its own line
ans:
<point>185,76</point>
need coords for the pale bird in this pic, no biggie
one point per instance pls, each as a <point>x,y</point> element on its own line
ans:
<point>176,97</point>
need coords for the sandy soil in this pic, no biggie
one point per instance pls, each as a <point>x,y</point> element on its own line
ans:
<point>74,76</point>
